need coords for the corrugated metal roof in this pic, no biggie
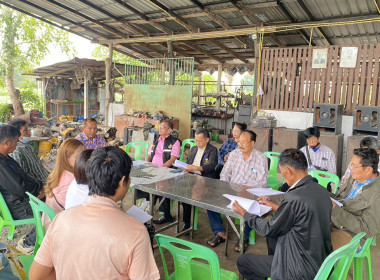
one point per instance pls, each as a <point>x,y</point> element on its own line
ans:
<point>267,11</point>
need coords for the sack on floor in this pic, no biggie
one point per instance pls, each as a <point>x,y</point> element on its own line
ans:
<point>10,266</point>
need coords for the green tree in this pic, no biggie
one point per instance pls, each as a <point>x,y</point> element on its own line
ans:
<point>101,53</point>
<point>24,43</point>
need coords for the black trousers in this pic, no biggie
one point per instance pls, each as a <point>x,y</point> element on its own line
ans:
<point>257,267</point>
<point>186,213</point>
<point>164,207</point>
<point>27,213</point>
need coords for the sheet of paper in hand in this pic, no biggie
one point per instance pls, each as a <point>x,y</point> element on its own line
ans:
<point>139,214</point>
<point>252,206</point>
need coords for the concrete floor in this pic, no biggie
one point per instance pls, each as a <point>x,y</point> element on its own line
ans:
<point>200,237</point>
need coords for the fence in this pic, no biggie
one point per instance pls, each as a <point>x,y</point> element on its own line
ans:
<point>292,82</point>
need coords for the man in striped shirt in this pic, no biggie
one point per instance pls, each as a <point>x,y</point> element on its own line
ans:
<point>24,154</point>
<point>319,157</point>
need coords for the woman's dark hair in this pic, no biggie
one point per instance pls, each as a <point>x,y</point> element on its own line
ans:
<point>169,123</point>
<point>369,142</point>
<point>241,126</point>
<point>80,166</point>
<point>203,131</point>
<point>252,135</point>
<point>105,169</point>
<point>294,158</point>
<point>311,131</point>
<point>368,157</point>
<point>18,123</point>
<point>8,132</point>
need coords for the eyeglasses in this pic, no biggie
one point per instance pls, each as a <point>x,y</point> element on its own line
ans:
<point>163,127</point>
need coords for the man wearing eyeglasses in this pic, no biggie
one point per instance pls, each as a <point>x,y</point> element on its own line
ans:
<point>245,166</point>
<point>164,151</point>
<point>360,197</point>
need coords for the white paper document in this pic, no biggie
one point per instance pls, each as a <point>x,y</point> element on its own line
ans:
<point>180,164</point>
<point>264,191</point>
<point>138,214</point>
<point>138,162</point>
<point>340,204</point>
<point>252,206</point>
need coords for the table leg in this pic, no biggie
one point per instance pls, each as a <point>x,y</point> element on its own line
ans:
<point>151,208</point>
<point>226,245</point>
<point>134,192</point>
<point>178,216</point>
<point>192,221</point>
<point>241,236</point>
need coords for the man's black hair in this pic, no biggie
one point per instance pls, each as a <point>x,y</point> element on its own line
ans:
<point>8,132</point>
<point>80,166</point>
<point>369,142</point>
<point>18,123</point>
<point>368,157</point>
<point>311,131</point>
<point>203,131</point>
<point>169,123</point>
<point>294,158</point>
<point>105,169</point>
<point>252,135</point>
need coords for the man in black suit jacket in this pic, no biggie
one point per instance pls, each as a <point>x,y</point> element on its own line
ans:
<point>203,158</point>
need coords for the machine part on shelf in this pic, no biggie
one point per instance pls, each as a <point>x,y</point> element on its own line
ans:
<point>110,134</point>
<point>329,117</point>
<point>146,129</point>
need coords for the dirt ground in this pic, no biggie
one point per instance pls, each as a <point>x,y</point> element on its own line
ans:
<point>201,236</point>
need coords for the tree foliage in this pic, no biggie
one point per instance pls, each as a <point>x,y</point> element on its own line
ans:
<point>24,43</point>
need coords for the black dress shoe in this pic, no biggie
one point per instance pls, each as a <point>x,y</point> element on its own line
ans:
<point>163,220</point>
<point>185,227</point>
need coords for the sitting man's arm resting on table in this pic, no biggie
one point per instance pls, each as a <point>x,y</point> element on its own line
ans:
<point>170,162</point>
<point>41,272</point>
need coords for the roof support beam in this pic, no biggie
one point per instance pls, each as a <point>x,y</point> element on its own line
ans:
<point>311,17</point>
<point>129,25</point>
<point>248,13</point>
<point>144,17</point>
<point>228,50</point>
<point>207,53</point>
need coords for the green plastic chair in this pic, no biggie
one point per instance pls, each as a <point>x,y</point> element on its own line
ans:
<point>138,147</point>
<point>364,253</point>
<point>342,258</point>
<point>185,142</point>
<point>6,219</point>
<point>39,207</point>
<point>272,174</point>
<point>324,178</point>
<point>185,267</point>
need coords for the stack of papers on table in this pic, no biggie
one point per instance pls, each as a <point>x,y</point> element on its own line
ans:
<point>264,191</point>
<point>139,162</point>
<point>252,206</point>
<point>139,214</point>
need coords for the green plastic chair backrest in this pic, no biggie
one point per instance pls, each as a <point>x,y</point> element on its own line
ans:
<point>190,142</point>
<point>342,257</point>
<point>324,178</point>
<point>4,210</point>
<point>183,257</point>
<point>39,207</point>
<point>138,147</point>
<point>365,248</point>
<point>274,158</point>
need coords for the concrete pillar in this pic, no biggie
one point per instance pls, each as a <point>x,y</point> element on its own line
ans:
<point>108,64</point>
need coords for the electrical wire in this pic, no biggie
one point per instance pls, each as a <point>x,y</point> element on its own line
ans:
<point>377,6</point>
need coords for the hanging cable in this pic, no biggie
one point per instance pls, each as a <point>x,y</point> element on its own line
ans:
<point>311,36</point>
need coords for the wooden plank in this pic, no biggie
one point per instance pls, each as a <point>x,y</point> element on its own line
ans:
<point>335,97</point>
<point>363,76</point>
<point>324,92</point>
<point>287,76</point>
<point>369,75</point>
<point>283,71</point>
<point>312,91</point>
<point>309,58</point>
<point>298,81</point>
<point>350,88</point>
<point>264,77</point>
<point>278,78</point>
<point>273,70</point>
<point>292,78</point>
<point>375,91</point>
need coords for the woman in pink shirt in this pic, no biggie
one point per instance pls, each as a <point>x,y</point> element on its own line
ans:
<point>61,177</point>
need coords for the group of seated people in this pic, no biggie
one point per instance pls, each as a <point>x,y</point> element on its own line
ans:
<point>93,177</point>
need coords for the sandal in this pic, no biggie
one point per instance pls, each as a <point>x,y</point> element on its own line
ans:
<point>245,245</point>
<point>216,240</point>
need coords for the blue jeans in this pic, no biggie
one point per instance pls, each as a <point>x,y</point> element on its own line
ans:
<point>217,226</point>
